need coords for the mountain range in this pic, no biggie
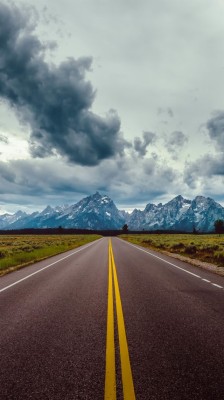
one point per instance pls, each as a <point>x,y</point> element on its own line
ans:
<point>100,212</point>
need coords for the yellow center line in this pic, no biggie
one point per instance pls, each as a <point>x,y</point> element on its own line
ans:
<point>110,377</point>
<point>127,380</point>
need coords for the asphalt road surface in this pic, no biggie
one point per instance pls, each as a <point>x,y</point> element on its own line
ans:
<point>111,320</point>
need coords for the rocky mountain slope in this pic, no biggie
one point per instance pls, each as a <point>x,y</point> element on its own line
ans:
<point>100,212</point>
<point>92,212</point>
<point>178,214</point>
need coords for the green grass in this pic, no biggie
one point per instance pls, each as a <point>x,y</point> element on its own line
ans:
<point>22,250</point>
<point>207,248</point>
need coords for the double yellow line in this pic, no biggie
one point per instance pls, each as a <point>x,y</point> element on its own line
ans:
<point>110,376</point>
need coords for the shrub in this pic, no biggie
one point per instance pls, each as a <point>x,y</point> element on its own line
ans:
<point>190,249</point>
<point>149,241</point>
<point>2,254</point>
<point>219,256</point>
<point>161,246</point>
<point>177,246</point>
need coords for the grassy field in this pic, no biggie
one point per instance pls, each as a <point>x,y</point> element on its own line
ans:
<point>207,248</point>
<point>22,250</point>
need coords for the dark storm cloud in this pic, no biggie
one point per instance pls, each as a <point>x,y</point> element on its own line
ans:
<point>215,128</point>
<point>140,145</point>
<point>55,101</point>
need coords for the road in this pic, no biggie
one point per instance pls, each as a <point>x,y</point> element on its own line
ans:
<point>111,320</point>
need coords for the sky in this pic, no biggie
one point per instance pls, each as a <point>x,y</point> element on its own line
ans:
<point>122,97</point>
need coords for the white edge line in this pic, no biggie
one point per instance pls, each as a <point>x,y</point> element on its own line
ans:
<point>162,259</point>
<point>182,269</point>
<point>220,287</point>
<point>47,266</point>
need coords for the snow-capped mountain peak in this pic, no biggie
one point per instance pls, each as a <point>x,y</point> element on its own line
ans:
<point>178,214</point>
<point>99,212</point>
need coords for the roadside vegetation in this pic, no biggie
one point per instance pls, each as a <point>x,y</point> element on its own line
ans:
<point>19,251</point>
<point>207,248</point>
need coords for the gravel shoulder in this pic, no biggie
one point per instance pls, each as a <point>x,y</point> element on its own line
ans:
<point>197,263</point>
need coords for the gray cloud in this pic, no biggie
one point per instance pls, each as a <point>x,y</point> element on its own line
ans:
<point>7,174</point>
<point>205,167</point>
<point>170,112</point>
<point>167,111</point>
<point>140,145</point>
<point>215,128</point>
<point>175,142</point>
<point>4,139</point>
<point>55,101</point>
<point>43,182</point>
<point>209,165</point>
